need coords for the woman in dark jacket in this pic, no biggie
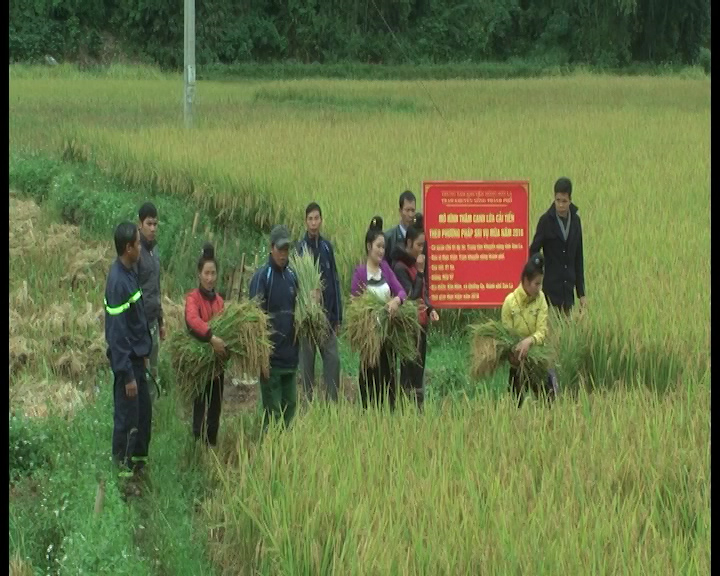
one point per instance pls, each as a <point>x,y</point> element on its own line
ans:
<point>409,267</point>
<point>201,305</point>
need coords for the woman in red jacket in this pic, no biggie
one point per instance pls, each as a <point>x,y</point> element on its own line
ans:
<point>200,306</point>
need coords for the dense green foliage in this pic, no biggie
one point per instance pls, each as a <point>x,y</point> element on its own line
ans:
<point>608,34</point>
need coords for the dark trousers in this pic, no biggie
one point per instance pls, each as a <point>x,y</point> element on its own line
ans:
<point>520,384</point>
<point>132,421</point>
<point>378,381</point>
<point>563,309</point>
<point>279,396</point>
<point>412,374</point>
<point>208,403</point>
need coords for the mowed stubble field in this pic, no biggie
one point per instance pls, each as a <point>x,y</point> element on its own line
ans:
<point>614,482</point>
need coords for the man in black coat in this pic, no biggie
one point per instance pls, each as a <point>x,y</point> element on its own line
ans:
<point>559,236</point>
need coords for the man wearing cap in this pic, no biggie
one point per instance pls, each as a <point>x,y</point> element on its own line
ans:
<point>275,286</point>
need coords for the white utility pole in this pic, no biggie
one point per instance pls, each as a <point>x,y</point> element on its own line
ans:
<point>189,68</point>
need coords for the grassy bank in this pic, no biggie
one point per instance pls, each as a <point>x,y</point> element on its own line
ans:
<point>53,527</point>
<point>78,193</point>
<point>61,421</point>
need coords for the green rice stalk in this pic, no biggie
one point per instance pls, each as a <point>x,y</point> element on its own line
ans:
<point>368,325</point>
<point>244,328</point>
<point>310,318</point>
<point>492,344</point>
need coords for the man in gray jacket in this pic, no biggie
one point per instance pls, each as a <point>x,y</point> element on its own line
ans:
<point>148,272</point>
<point>396,235</point>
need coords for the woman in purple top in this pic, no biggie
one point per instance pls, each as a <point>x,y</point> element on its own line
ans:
<point>377,277</point>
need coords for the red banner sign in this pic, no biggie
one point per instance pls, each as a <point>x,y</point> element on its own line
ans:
<point>477,241</point>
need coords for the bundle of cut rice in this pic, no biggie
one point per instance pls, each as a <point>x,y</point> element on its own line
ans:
<point>368,325</point>
<point>493,343</point>
<point>310,318</point>
<point>244,328</point>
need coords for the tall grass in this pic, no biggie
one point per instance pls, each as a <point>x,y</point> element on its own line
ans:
<point>615,483</point>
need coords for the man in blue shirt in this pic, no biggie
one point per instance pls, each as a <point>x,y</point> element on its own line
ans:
<point>274,284</point>
<point>129,345</point>
<point>323,253</point>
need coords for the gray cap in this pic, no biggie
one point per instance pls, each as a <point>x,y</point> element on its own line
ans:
<point>279,236</point>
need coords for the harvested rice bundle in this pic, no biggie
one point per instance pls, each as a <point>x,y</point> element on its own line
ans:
<point>493,343</point>
<point>310,318</point>
<point>244,328</point>
<point>368,325</point>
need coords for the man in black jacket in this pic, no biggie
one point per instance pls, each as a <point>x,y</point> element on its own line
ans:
<point>275,284</point>
<point>396,235</point>
<point>559,235</point>
<point>323,253</point>
<point>148,272</point>
<point>129,344</point>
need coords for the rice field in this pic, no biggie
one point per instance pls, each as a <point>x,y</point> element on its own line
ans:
<point>617,483</point>
<point>604,483</point>
<point>637,150</point>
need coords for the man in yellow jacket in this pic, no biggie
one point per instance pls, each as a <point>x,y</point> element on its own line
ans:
<point>525,312</point>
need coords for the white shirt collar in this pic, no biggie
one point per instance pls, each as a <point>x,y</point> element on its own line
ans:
<point>377,276</point>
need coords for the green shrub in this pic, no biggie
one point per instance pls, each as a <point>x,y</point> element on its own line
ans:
<point>27,447</point>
